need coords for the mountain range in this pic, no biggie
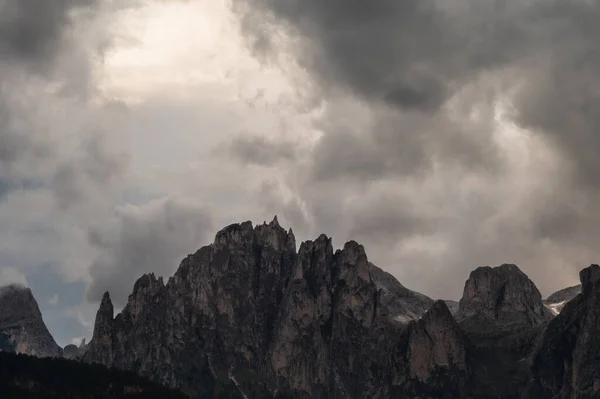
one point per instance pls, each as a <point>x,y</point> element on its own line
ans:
<point>252,316</point>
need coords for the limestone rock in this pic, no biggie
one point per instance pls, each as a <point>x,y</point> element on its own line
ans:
<point>435,341</point>
<point>73,352</point>
<point>250,314</point>
<point>398,302</point>
<point>566,365</point>
<point>249,311</point>
<point>453,306</point>
<point>22,329</point>
<point>502,294</point>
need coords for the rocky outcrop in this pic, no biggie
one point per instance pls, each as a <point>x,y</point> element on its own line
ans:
<point>22,329</point>
<point>400,304</point>
<point>251,312</point>
<point>432,357</point>
<point>436,342</point>
<point>503,295</point>
<point>453,306</point>
<point>556,302</point>
<point>566,365</point>
<point>73,352</point>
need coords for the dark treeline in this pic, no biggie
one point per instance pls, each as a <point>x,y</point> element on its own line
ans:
<point>24,377</point>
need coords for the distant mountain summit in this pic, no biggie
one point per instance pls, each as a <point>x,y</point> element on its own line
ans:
<point>22,329</point>
<point>503,294</point>
<point>556,302</point>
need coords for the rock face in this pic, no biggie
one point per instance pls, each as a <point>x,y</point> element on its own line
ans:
<point>433,357</point>
<point>72,352</point>
<point>503,294</point>
<point>556,302</point>
<point>401,304</point>
<point>566,365</point>
<point>452,306</point>
<point>252,316</point>
<point>249,311</point>
<point>22,329</point>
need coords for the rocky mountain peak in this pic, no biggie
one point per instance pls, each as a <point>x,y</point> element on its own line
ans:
<point>397,302</point>
<point>250,314</point>
<point>566,294</point>
<point>589,277</point>
<point>274,222</point>
<point>435,348</point>
<point>438,316</point>
<point>566,364</point>
<point>504,294</point>
<point>102,338</point>
<point>22,328</point>
<point>353,262</point>
<point>250,302</point>
<point>106,310</point>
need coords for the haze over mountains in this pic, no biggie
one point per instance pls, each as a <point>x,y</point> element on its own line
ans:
<point>253,316</point>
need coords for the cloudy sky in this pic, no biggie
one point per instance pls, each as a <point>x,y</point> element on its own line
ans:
<point>441,134</point>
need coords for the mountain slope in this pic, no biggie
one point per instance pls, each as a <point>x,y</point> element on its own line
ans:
<point>22,329</point>
<point>556,302</point>
<point>402,305</point>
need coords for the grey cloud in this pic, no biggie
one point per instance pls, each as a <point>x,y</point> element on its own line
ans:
<point>424,80</point>
<point>31,31</point>
<point>272,201</point>
<point>406,60</point>
<point>417,54</point>
<point>387,219</point>
<point>91,174</point>
<point>402,144</point>
<point>154,238</point>
<point>412,54</point>
<point>46,84</point>
<point>259,150</point>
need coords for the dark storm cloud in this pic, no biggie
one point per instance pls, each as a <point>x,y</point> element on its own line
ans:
<point>387,219</point>
<point>405,59</point>
<point>414,55</point>
<point>428,76</point>
<point>561,96</point>
<point>411,54</point>
<point>31,31</point>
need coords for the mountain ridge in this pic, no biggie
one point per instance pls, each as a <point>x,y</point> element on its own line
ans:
<point>253,316</point>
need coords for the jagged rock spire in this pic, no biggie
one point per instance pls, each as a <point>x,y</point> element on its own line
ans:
<point>104,317</point>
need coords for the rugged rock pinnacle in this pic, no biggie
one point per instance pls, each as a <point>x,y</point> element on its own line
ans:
<point>22,328</point>
<point>503,294</point>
